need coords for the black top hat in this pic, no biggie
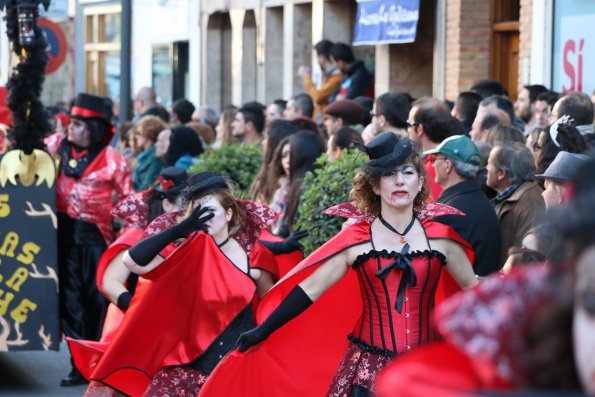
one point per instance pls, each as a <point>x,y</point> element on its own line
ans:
<point>87,106</point>
<point>203,182</point>
<point>387,151</point>
<point>172,180</point>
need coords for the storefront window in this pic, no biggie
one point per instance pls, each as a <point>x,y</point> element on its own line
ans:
<point>102,50</point>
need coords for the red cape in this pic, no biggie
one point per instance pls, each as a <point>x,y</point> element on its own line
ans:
<point>193,297</point>
<point>301,358</point>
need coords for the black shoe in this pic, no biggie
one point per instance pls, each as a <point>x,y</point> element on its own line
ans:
<point>74,378</point>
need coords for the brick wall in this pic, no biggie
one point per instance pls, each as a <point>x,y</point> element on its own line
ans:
<point>468,32</point>
<point>525,26</point>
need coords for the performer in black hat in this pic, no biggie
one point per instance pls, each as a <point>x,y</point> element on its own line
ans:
<point>201,297</point>
<point>90,173</point>
<point>397,253</point>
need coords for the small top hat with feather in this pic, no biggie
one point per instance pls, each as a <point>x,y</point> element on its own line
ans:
<point>387,151</point>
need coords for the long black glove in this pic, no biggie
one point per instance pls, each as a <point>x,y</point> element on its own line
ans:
<point>144,252</point>
<point>124,300</point>
<point>290,244</point>
<point>295,303</point>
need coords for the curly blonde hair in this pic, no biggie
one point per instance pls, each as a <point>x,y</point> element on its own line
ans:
<point>365,182</point>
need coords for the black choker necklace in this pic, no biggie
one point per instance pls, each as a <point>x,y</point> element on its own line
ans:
<point>223,242</point>
<point>392,229</point>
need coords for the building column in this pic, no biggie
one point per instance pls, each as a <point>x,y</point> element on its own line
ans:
<point>541,43</point>
<point>273,63</point>
<point>382,81</point>
<point>249,68</point>
<point>237,27</point>
<point>297,45</point>
<point>195,43</point>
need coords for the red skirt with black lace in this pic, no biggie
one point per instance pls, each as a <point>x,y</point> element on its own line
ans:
<point>358,367</point>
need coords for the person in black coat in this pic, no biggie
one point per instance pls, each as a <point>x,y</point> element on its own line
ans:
<point>456,161</point>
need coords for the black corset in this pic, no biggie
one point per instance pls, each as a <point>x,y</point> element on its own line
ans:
<point>225,342</point>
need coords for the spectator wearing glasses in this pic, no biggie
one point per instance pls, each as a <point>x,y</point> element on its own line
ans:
<point>390,113</point>
<point>456,161</point>
<point>428,125</point>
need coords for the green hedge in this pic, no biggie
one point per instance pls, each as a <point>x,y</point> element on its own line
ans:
<point>240,163</point>
<point>324,188</point>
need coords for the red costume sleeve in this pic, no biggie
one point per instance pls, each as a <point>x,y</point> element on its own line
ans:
<point>176,319</point>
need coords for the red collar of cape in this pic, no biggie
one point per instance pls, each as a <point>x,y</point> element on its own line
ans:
<point>309,348</point>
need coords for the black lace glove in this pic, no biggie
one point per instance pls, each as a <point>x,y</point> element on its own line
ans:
<point>290,244</point>
<point>295,303</point>
<point>144,252</point>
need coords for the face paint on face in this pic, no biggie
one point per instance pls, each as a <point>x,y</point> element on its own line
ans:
<point>399,187</point>
<point>217,225</point>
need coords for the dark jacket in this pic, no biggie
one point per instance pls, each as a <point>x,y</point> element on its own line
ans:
<point>517,214</point>
<point>479,227</point>
<point>357,82</point>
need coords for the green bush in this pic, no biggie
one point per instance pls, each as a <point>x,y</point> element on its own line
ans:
<point>240,163</point>
<point>325,187</point>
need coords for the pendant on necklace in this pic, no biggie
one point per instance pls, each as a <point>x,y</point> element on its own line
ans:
<point>72,163</point>
<point>403,240</point>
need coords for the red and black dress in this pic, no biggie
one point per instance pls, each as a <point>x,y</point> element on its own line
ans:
<point>397,290</point>
<point>189,318</point>
<point>384,304</point>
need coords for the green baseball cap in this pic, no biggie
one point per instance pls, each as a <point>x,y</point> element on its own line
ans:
<point>459,148</point>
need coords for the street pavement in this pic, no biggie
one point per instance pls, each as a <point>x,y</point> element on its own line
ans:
<point>36,373</point>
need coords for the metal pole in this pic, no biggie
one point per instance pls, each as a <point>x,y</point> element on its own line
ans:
<point>125,54</point>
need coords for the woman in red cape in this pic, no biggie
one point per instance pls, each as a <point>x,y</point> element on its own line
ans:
<point>385,302</point>
<point>200,298</point>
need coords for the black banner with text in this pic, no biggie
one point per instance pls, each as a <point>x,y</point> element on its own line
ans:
<point>29,317</point>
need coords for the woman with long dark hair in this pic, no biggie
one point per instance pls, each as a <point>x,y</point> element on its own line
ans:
<point>269,177</point>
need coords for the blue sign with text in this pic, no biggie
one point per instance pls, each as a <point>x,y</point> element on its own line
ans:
<point>386,21</point>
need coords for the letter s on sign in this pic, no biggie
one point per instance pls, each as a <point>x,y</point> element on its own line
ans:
<point>4,207</point>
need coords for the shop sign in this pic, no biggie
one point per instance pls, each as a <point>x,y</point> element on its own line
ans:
<point>386,21</point>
